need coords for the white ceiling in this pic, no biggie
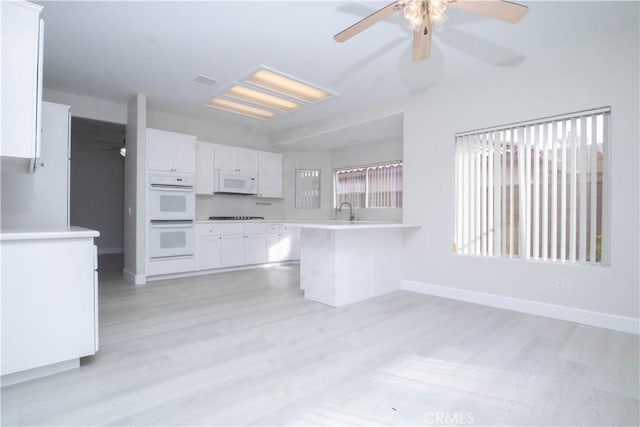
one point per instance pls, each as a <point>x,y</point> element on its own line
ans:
<point>112,50</point>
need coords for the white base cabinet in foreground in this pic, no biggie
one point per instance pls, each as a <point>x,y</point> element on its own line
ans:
<point>49,301</point>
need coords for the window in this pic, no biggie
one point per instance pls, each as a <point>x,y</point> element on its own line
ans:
<point>533,190</point>
<point>374,186</point>
<point>307,189</point>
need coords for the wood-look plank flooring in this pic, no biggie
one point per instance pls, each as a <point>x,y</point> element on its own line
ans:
<point>245,347</point>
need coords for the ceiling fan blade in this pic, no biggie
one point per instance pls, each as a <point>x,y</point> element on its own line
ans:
<point>498,9</point>
<point>365,23</point>
<point>422,43</point>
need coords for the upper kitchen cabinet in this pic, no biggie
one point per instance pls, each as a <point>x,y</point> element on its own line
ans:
<point>22,35</point>
<point>171,152</point>
<point>233,160</point>
<point>270,175</point>
<point>204,167</point>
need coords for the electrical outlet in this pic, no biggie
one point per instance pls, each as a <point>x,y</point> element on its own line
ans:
<point>560,284</point>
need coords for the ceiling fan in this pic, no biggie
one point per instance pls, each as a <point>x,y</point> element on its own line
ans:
<point>424,15</point>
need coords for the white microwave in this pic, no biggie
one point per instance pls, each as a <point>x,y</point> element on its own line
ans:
<point>235,184</point>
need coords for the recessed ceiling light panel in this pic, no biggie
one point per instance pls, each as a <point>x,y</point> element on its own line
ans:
<point>261,98</point>
<point>288,86</point>
<point>238,108</point>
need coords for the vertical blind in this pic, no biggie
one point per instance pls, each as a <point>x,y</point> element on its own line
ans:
<point>375,186</point>
<point>307,189</point>
<point>533,190</point>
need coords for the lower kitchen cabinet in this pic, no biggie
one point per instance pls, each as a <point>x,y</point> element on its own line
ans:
<point>235,244</point>
<point>208,252</point>
<point>255,249</point>
<point>231,250</point>
<point>50,312</point>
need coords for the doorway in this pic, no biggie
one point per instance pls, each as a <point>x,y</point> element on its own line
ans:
<point>97,188</point>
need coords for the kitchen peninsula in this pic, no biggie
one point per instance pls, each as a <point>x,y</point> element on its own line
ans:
<point>346,262</point>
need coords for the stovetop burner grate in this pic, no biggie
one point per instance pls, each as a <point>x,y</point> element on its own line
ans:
<point>234,218</point>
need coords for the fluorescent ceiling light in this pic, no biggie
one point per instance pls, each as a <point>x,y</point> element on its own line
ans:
<point>287,86</point>
<point>261,98</point>
<point>236,107</point>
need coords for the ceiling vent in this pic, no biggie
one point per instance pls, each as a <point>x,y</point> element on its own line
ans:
<point>204,81</point>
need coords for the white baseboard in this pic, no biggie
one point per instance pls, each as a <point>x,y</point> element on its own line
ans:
<point>108,251</point>
<point>134,279</point>
<point>593,318</point>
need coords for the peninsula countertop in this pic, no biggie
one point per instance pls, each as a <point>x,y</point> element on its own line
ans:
<point>71,232</point>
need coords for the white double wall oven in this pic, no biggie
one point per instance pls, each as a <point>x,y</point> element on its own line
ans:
<point>171,216</point>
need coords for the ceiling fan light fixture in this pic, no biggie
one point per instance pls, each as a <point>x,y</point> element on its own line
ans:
<point>238,108</point>
<point>287,86</point>
<point>261,98</point>
<point>417,11</point>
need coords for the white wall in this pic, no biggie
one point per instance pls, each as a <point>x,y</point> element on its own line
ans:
<point>593,73</point>
<point>134,191</point>
<point>209,131</point>
<point>89,108</point>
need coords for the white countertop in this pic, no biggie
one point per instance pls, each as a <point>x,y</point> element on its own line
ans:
<point>72,232</point>
<point>318,224</point>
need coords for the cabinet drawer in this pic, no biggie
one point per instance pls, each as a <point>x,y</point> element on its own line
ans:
<point>207,229</point>
<point>273,228</point>
<point>232,228</point>
<point>255,228</point>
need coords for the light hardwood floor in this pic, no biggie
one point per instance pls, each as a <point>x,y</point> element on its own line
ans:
<point>246,348</point>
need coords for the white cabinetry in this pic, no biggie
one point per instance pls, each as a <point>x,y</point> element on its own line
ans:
<point>233,160</point>
<point>171,152</point>
<point>49,313</point>
<point>22,34</point>
<point>208,247</point>
<point>236,244</point>
<point>231,250</point>
<point>204,168</point>
<point>270,175</point>
<point>283,243</point>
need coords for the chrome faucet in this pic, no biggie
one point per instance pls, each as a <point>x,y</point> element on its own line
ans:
<point>351,215</point>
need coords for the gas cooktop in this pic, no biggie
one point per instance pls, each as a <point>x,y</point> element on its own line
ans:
<point>234,218</point>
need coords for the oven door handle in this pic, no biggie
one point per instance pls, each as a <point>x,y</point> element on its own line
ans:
<point>174,188</point>
<point>171,224</point>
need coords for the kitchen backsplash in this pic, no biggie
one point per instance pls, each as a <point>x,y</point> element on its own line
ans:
<point>236,205</point>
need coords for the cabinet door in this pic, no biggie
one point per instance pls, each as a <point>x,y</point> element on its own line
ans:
<point>204,168</point>
<point>255,249</point>
<point>226,159</point>
<point>247,161</point>
<point>208,252</point>
<point>270,175</point>
<point>21,91</point>
<point>160,150</point>
<point>275,248</point>
<point>231,250</point>
<point>292,245</point>
<point>184,154</point>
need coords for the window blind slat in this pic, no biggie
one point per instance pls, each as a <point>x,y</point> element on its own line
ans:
<point>535,144</point>
<point>573,211</point>
<point>503,190</point>
<point>512,159</point>
<point>545,191</point>
<point>582,251</point>
<point>554,192</point>
<point>478,197</point>
<point>522,197</point>
<point>563,195</point>
<point>594,190</point>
